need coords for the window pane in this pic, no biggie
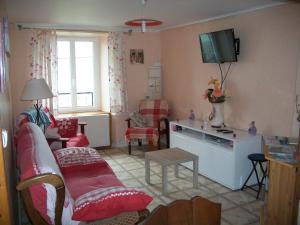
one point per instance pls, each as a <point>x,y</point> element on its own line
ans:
<point>64,71</point>
<point>84,66</point>
<point>85,99</point>
<point>63,49</point>
<point>64,76</point>
<point>64,100</point>
<point>84,75</point>
<point>84,49</point>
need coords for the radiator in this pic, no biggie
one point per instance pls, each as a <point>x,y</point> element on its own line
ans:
<point>97,129</point>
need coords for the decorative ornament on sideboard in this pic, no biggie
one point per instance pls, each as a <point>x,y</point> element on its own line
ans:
<point>217,98</point>
<point>252,128</point>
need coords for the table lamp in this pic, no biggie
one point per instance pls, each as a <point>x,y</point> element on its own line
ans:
<point>36,89</point>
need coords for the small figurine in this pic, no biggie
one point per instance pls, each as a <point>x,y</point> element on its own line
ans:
<point>252,128</point>
<point>192,115</point>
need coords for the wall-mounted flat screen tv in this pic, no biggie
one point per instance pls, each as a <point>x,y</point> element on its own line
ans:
<point>219,46</point>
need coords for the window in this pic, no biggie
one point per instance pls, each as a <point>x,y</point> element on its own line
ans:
<point>79,76</point>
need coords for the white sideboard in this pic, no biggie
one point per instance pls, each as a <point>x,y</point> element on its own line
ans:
<point>222,157</point>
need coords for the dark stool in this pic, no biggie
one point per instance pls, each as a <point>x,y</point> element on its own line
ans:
<point>260,159</point>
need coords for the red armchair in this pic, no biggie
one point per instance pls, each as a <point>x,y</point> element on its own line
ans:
<point>155,124</point>
<point>60,133</point>
<point>66,128</point>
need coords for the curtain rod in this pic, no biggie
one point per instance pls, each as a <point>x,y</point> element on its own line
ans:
<point>22,27</point>
<point>66,29</point>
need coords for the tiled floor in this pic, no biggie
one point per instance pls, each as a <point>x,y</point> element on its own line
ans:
<point>238,207</point>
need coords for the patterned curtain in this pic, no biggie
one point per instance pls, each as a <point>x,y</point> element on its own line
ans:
<point>43,61</point>
<point>116,70</point>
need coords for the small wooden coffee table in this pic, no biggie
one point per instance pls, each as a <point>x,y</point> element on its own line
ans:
<point>172,156</point>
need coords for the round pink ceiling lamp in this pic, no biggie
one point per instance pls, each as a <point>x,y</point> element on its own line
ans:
<point>143,23</point>
<point>148,22</point>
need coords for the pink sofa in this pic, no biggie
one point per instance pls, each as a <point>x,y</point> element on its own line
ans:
<point>92,190</point>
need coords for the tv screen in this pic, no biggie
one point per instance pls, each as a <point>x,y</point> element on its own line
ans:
<point>218,47</point>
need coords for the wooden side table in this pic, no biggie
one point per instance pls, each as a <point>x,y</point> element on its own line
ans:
<point>173,156</point>
<point>281,206</point>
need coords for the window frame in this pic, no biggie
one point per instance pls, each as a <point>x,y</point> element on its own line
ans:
<point>97,76</point>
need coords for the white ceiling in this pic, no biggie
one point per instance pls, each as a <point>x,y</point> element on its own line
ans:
<point>111,14</point>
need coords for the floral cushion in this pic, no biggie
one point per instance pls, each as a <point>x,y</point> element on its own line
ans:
<point>138,119</point>
<point>67,127</point>
<point>109,201</point>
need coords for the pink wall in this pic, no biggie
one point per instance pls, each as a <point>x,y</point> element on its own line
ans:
<point>137,76</point>
<point>261,83</point>
<point>19,67</point>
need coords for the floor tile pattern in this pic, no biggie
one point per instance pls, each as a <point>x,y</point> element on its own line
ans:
<point>238,207</point>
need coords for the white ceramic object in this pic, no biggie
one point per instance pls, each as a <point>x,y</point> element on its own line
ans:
<point>218,111</point>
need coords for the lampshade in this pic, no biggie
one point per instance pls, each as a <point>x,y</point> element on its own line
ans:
<point>143,22</point>
<point>36,89</point>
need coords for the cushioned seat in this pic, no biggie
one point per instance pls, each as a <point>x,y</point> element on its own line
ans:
<point>60,133</point>
<point>151,123</point>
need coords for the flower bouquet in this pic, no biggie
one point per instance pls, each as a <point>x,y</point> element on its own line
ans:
<point>215,94</point>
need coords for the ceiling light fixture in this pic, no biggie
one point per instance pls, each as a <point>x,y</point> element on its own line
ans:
<point>143,23</point>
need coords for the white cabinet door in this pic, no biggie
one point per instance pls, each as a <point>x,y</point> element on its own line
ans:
<point>196,147</point>
<point>223,165</point>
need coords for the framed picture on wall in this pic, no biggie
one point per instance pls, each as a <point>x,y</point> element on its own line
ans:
<point>140,56</point>
<point>136,56</point>
<point>132,56</point>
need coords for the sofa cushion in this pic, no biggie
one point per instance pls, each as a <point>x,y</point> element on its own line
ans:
<point>67,127</point>
<point>97,181</point>
<point>51,117</point>
<point>138,119</point>
<point>80,140</point>
<point>107,202</point>
<point>77,158</point>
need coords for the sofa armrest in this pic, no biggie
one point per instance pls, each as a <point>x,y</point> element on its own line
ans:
<point>62,140</point>
<point>49,178</point>
<point>82,127</point>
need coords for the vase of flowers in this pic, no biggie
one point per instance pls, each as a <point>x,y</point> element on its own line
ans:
<point>216,97</point>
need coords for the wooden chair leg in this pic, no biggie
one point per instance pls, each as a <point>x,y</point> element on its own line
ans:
<point>140,142</point>
<point>158,142</point>
<point>129,147</point>
<point>168,139</point>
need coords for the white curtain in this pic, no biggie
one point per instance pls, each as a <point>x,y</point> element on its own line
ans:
<point>116,70</point>
<point>43,61</point>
